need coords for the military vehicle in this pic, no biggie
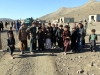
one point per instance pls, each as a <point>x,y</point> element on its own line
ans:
<point>28,21</point>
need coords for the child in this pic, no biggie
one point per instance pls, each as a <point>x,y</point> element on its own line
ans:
<point>92,40</point>
<point>11,44</point>
<point>23,36</point>
<point>66,38</point>
<point>40,35</point>
<point>10,31</point>
<point>59,37</point>
<point>80,37</point>
<point>54,37</point>
<point>32,30</point>
<point>48,38</point>
<point>73,39</point>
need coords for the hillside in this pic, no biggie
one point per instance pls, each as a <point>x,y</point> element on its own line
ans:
<point>58,13</point>
<point>79,13</point>
<point>6,19</point>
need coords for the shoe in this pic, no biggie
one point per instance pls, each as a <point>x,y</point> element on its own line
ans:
<point>65,53</point>
<point>54,47</point>
<point>94,51</point>
<point>32,52</point>
<point>12,57</point>
<point>71,51</point>
<point>22,52</point>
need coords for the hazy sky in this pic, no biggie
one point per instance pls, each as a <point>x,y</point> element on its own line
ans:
<point>16,9</point>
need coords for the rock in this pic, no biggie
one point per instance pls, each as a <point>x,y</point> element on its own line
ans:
<point>79,61</point>
<point>86,57</point>
<point>61,69</point>
<point>67,74</point>
<point>64,65</point>
<point>86,73</point>
<point>79,56</point>
<point>94,55</point>
<point>92,64</point>
<point>58,58</point>
<point>80,71</point>
<point>68,68</point>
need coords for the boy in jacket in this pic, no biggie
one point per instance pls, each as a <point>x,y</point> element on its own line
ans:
<point>22,36</point>
<point>48,38</point>
<point>59,37</point>
<point>73,39</point>
<point>81,35</point>
<point>11,44</point>
<point>40,35</point>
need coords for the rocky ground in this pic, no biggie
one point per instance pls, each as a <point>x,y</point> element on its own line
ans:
<point>43,63</point>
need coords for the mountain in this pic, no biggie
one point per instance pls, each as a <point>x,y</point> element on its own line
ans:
<point>78,13</point>
<point>59,12</point>
<point>6,19</point>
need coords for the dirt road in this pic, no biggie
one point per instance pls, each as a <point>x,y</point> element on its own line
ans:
<point>27,64</point>
<point>45,65</point>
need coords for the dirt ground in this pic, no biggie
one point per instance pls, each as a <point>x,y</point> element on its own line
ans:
<point>43,63</point>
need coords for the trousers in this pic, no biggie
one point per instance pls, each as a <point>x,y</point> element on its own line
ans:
<point>11,50</point>
<point>23,45</point>
<point>48,43</point>
<point>32,44</point>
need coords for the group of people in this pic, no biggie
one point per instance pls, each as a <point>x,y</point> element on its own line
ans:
<point>1,26</point>
<point>51,36</point>
<point>14,24</point>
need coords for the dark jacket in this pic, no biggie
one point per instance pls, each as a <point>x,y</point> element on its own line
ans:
<point>54,32</point>
<point>48,34</point>
<point>40,37</point>
<point>74,35</point>
<point>81,34</point>
<point>11,41</point>
<point>59,33</point>
<point>43,28</point>
<point>1,25</point>
<point>32,30</point>
<point>51,29</point>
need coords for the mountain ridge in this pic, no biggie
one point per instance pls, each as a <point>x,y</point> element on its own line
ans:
<point>78,13</point>
<point>6,19</point>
